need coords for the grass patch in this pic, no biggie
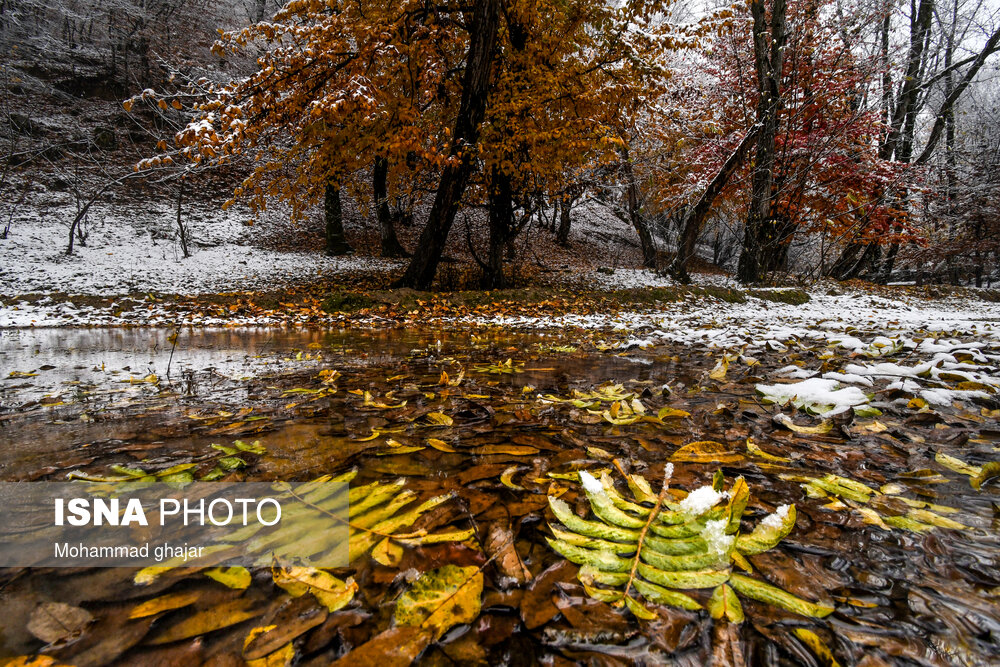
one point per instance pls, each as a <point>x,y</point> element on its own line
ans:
<point>346,302</point>
<point>794,297</point>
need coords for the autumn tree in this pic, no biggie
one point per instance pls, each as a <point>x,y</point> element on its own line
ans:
<point>823,173</point>
<point>943,50</point>
<point>341,91</point>
<point>507,93</point>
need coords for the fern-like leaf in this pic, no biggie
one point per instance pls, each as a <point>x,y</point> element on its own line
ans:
<point>637,550</point>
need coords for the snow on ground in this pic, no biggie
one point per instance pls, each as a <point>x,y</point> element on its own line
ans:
<point>141,255</point>
<point>834,317</point>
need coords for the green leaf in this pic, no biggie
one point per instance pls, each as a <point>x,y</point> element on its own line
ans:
<point>638,610</point>
<point>768,532</point>
<point>769,594</point>
<point>660,595</point>
<point>634,549</point>
<point>724,603</point>
<point>231,463</point>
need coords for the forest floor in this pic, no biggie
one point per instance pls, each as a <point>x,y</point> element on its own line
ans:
<point>131,272</point>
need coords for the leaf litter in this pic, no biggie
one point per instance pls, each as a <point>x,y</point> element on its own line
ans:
<point>525,504</point>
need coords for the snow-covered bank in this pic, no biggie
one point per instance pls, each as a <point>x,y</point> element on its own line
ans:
<point>835,317</point>
<point>141,255</point>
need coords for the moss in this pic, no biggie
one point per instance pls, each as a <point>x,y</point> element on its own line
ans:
<point>722,293</point>
<point>795,297</point>
<point>991,295</point>
<point>346,302</point>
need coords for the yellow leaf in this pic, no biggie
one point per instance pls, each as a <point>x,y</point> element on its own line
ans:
<point>148,575</point>
<point>440,445</point>
<point>331,592</point>
<point>232,577</point>
<point>512,450</point>
<point>164,603</point>
<point>822,428</point>
<point>719,372</point>
<point>817,646</point>
<point>439,419</point>
<point>387,553</point>
<point>667,412</point>
<point>706,451</point>
<point>442,599</point>
<point>280,658</point>
<point>758,452</point>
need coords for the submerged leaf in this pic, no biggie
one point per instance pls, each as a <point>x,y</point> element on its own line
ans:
<point>232,577</point>
<point>706,451</point>
<point>163,603</point>
<point>817,645</point>
<point>988,472</point>
<point>330,591</point>
<point>441,599</point>
<point>957,465</point>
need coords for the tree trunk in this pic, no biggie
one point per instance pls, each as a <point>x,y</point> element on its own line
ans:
<point>391,247</point>
<point>768,58</point>
<point>501,217</point>
<point>562,236</point>
<point>181,232</point>
<point>336,243</point>
<point>455,176</point>
<point>849,265</point>
<point>695,216</point>
<point>635,215</point>
<point>774,250</point>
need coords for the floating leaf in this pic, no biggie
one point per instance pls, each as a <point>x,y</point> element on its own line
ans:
<point>768,532</point>
<point>760,453</point>
<point>719,372</point>
<point>667,412</point>
<point>724,603</point>
<point>441,599</point>
<point>669,546</point>
<point>762,592</point>
<point>925,516</point>
<point>370,402</point>
<point>822,428</point>
<point>957,465</point>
